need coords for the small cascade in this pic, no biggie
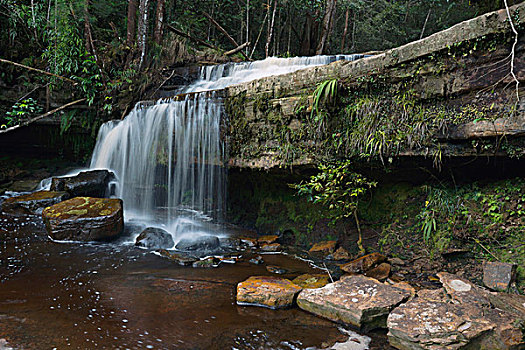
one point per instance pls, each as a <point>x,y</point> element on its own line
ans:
<point>169,157</point>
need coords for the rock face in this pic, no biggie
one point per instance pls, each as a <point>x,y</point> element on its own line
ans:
<point>498,275</point>
<point>154,238</point>
<point>461,315</point>
<point>364,263</point>
<point>84,219</point>
<point>33,203</point>
<point>272,292</point>
<point>93,183</point>
<point>358,300</point>
<point>202,243</point>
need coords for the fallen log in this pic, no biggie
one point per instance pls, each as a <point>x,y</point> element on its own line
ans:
<point>38,70</point>
<point>27,122</point>
<point>237,49</point>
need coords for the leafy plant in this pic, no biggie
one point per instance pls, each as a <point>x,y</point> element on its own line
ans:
<point>339,189</point>
<point>24,109</point>
<point>325,93</point>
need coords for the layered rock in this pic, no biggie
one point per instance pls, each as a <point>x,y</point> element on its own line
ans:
<point>84,219</point>
<point>461,315</point>
<point>272,292</point>
<point>93,183</point>
<point>154,238</point>
<point>364,263</point>
<point>357,300</point>
<point>33,203</point>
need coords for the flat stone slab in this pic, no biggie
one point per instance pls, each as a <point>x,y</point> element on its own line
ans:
<point>358,300</point>
<point>271,292</point>
<point>33,203</point>
<point>498,276</point>
<point>84,219</point>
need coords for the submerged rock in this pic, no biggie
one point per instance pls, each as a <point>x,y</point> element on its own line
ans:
<point>201,243</point>
<point>276,269</point>
<point>180,259</point>
<point>459,315</point>
<point>33,203</point>
<point>258,260</point>
<point>311,281</point>
<point>154,238</point>
<point>207,262</point>
<point>92,183</point>
<point>272,292</point>
<point>357,300</point>
<point>271,247</point>
<point>499,276</point>
<point>84,219</point>
<point>364,263</point>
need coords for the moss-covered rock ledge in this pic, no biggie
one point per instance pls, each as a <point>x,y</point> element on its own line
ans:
<point>450,94</point>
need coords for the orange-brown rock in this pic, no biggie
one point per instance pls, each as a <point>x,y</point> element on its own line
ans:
<point>380,272</point>
<point>272,292</point>
<point>357,300</point>
<point>33,203</point>
<point>498,275</point>
<point>407,287</point>
<point>341,254</point>
<point>325,247</point>
<point>269,239</point>
<point>311,281</point>
<point>249,241</point>
<point>84,219</point>
<point>364,263</point>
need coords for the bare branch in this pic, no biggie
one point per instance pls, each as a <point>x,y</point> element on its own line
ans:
<point>39,71</point>
<point>513,50</point>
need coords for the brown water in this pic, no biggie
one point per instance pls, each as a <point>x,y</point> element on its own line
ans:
<point>86,296</point>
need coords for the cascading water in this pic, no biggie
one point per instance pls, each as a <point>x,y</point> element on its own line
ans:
<point>169,157</point>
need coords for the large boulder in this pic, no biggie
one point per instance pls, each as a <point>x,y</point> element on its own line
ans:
<point>154,238</point>
<point>84,219</point>
<point>92,183</point>
<point>201,243</point>
<point>358,300</point>
<point>461,315</point>
<point>33,203</point>
<point>271,292</point>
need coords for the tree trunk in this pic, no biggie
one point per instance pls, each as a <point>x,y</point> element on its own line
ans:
<point>132,21</point>
<point>328,21</point>
<point>142,29</point>
<point>271,24</point>
<point>159,18</point>
<point>345,31</point>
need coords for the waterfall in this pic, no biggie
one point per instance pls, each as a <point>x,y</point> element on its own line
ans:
<point>169,157</point>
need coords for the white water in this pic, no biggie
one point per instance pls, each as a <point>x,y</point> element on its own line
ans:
<point>169,157</point>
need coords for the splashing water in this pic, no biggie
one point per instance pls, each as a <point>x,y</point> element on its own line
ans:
<point>169,157</point>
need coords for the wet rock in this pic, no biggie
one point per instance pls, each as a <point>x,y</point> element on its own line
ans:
<point>92,183</point>
<point>324,248</point>
<point>154,238</point>
<point>258,260</point>
<point>459,315</point>
<point>250,242</point>
<point>269,239</point>
<point>230,243</point>
<point>272,292</point>
<point>207,263</point>
<point>202,243</point>
<point>340,254</point>
<point>33,203</point>
<point>364,263</point>
<point>24,185</point>
<point>358,300</point>
<point>273,247</point>
<point>276,269</point>
<point>84,219</point>
<point>180,259</point>
<point>499,276</point>
<point>380,272</point>
<point>311,281</point>
<point>396,261</point>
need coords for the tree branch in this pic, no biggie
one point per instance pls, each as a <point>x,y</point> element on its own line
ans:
<point>42,116</point>
<point>223,31</point>
<point>513,51</point>
<point>39,71</point>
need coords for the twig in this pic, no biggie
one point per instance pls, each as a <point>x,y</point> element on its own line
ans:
<point>42,116</point>
<point>513,51</point>
<point>328,271</point>
<point>187,36</point>
<point>223,31</point>
<point>484,248</point>
<point>38,70</point>
<point>161,85</point>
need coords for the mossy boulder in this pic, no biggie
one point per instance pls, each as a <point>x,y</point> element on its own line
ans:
<point>84,219</point>
<point>33,203</point>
